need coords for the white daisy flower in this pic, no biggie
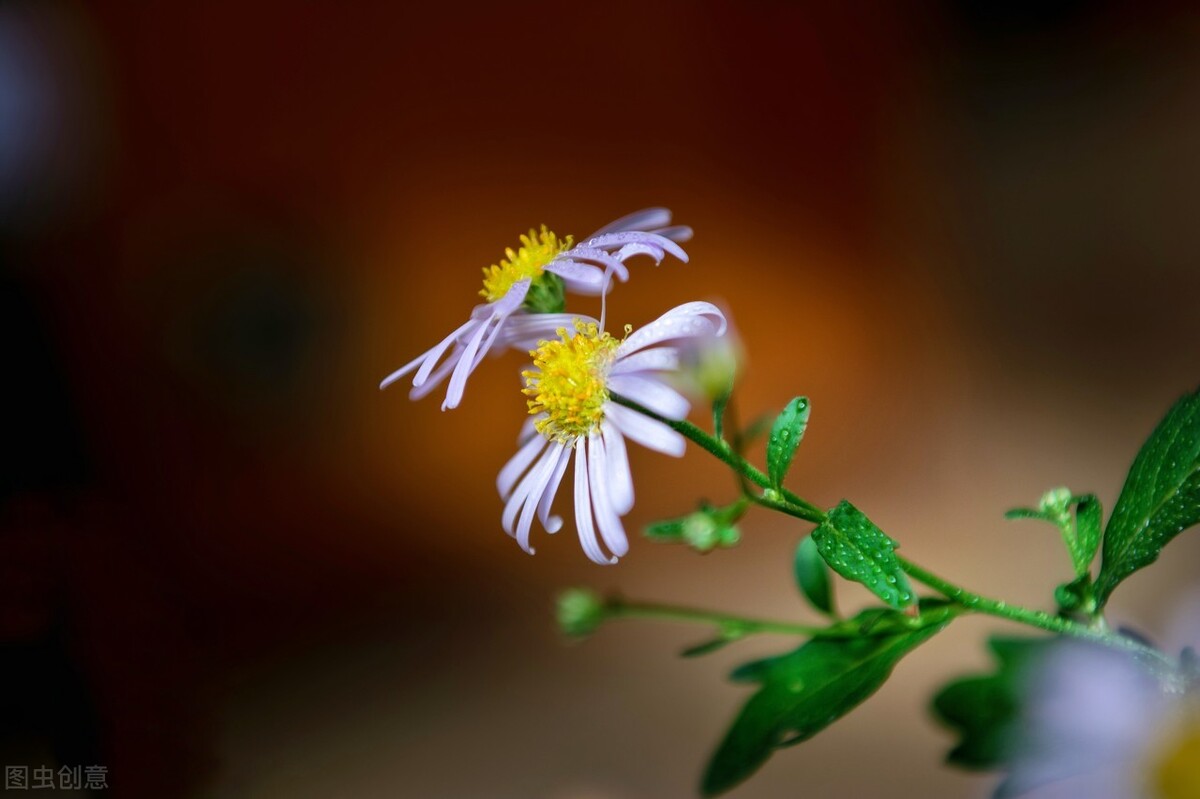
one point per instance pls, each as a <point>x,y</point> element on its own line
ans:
<point>573,414</point>
<point>1097,724</point>
<point>531,280</point>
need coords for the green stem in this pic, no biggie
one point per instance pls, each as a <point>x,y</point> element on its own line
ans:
<point>785,501</point>
<point>1022,615</point>
<point>737,626</point>
<point>795,505</point>
<point>718,409</point>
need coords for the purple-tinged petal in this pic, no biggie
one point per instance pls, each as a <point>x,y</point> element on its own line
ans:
<point>428,359</point>
<point>487,345</point>
<point>645,431</point>
<point>658,359</point>
<point>517,465</point>
<point>509,303</point>
<point>467,364</point>
<point>583,510</point>
<point>676,233</point>
<point>527,331</point>
<point>630,250</point>
<point>521,495</point>
<point>528,429</point>
<point>639,220</point>
<point>650,394</point>
<point>601,257</point>
<point>616,240</point>
<point>545,468</point>
<point>620,481</point>
<point>439,374</point>
<point>684,321</point>
<point>575,274</point>
<point>607,520</point>
<point>553,524</point>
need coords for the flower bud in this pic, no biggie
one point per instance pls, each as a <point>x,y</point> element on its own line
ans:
<point>580,612</point>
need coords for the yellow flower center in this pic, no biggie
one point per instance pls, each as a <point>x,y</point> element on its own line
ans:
<point>569,381</point>
<point>536,250</point>
<point>1175,774</point>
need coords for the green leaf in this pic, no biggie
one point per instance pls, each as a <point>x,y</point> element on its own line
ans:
<point>666,530</point>
<point>1088,520</point>
<point>802,693</point>
<point>984,709</point>
<point>1080,532</point>
<point>1075,596</point>
<point>1161,497</point>
<point>785,437</point>
<point>713,645</point>
<point>1025,513</point>
<point>812,575</point>
<point>858,550</point>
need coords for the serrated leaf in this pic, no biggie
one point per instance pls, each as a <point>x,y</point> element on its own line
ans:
<point>785,436</point>
<point>1161,497</point>
<point>1088,522</point>
<point>858,550</point>
<point>984,709</point>
<point>812,575</point>
<point>802,693</point>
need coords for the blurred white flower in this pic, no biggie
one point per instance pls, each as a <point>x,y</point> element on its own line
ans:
<point>573,414</point>
<point>528,282</point>
<point>1097,724</point>
<point>709,365</point>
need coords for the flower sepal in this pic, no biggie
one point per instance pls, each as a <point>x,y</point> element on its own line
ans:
<point>703,530</point>
<point>547,294</point>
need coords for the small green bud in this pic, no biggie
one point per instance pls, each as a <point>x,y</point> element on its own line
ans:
<point>709,365</point>
<point>1056,503</point>
<point>704,531</point>
<point>701,531</point>
<point>580,612</point>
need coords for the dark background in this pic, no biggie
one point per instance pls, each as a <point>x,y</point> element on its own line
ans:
<point>230,567</point>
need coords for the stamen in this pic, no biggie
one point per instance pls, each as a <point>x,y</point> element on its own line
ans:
<point>569,382</point>
<point>536,250</point>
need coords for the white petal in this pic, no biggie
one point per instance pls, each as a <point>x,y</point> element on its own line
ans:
<point>583,510</point>
<point>517,465</point>
<point>645,431</point>
<point>659,359</point>
<point>426,360</point>
<point>467,364</point>
<point>601,257</point>
<point>606,518</point>
<point>651,394</point>
<point>683,321</point>
<point>620,481</point>
<point>630,250</point>
<point>677,233</point>
<point>575,274</point>
<point>438,375</point>
<point>546,467</point>
<point>644,219</point>
<point>528,428</point>
<point>527,331</point>
<point>524,489</point>
<point>553,524</point>
<point>509,303</point>
<point>611,240</point>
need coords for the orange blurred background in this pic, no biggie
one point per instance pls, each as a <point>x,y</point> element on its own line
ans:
<point>231,567</point>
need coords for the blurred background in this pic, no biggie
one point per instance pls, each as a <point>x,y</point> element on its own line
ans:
<point>231,567</point>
